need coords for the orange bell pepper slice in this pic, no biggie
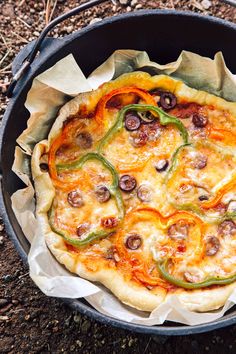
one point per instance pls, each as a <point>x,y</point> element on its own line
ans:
<point>219,194</point>
<point>66,185</point>
<point>62,184</point>
<point>140,270</point>
<point>101,106</point>
<point>223,135</point>
<point>228,138</point>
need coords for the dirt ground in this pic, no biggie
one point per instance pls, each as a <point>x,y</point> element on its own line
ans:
<point>30,322</point>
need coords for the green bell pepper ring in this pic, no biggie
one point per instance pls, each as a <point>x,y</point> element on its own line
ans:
<point>162,268</point>
<point>174,160</point>
<point>198,211</point>
<point>114,188</point>
<point>164,118</point>
<point>115,193</point>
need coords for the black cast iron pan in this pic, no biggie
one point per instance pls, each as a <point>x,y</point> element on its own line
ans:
<point>163,34</point>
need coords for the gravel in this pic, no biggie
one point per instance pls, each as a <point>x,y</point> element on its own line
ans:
<point>30,322</point>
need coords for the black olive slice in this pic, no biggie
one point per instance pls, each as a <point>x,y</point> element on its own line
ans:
<point>153,130</point>
<point>75,199</point>
<point>227,228</point>
<point>127,183</point>
<point>132,121</point>
<point>138,138</point>
<point>212,245</point>
<point>168,100</point>
<point>102,194</point>
<point>84,140</point>
<point>144,193</point>
<point>109,222</point>
<point>82,229</point>
<point>199,120</point>
<point>193,277</point>
<point>178,231</point>
<point>44,167</point>
<point>146,117</point>
<point>133,242</point>
<point>161,165</point>
<point>112,254</point>
<point>199,162</point>
<point>203,197</point>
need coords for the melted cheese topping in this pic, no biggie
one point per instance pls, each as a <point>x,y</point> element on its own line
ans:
<point>169,191</point>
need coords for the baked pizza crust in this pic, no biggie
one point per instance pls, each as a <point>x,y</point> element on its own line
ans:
<point>127,291</point>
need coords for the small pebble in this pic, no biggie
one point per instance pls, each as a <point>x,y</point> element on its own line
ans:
<point>5,308</point>
<point>69,29</point>
<point>206,4</point>
<point>3,302</point>
<point>15,302</point>
<point>161,165</point>
<point>95,20</point>
<point>124,2</point>
<point>7,278</point>
<point>85,326</point>
<point>1,240</point>
<point>131,342</point>
<point>77,318</point>
<point>4,318</point>
<point>68,321</point>
<point>30,21</point>
<point>134,2</point>
<point>79,343</point>
<point>8,10</point>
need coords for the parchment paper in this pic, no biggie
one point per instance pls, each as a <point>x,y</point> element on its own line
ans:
<point>49,92</point>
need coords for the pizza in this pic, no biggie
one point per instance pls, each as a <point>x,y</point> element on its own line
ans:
<point>136,190</point>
